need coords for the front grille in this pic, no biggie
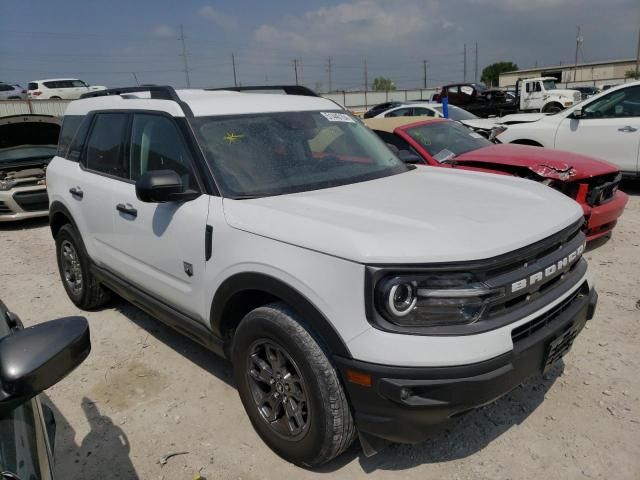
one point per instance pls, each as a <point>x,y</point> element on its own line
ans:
<point>603,189</point>
<point>32,201</point>
<point>4,209</point>
<point>529,328</point>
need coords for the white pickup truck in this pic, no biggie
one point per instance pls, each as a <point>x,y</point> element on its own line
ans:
<point>541,95</point>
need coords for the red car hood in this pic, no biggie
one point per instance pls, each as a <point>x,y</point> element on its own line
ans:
<point>546,162</point>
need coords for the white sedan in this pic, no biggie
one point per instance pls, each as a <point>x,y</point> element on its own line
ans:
<point>425,109</point>
<point>606,125</point>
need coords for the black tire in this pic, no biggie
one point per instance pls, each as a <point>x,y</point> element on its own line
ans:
<point>552,108</point>
<point>325,427</point>
<point>55,98</point>
<point>73,264</point>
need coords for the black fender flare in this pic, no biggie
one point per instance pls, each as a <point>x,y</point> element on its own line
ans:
<point>314,319</point>
<point>55,209</point>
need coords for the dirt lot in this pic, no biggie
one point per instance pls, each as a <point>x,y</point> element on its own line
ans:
<point>145,392</point>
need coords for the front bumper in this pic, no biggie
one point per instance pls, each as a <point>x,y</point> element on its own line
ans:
<point>602,218</point>
<point>22,203</point>
<point>402,403</point>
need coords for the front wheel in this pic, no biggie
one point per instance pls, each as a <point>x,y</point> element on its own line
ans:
<point>289,388</point>
<point>552,108</point>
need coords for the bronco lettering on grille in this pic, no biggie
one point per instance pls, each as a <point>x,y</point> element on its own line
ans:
<point>559,266</point>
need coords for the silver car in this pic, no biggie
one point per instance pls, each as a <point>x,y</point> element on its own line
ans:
<point>27,143</point>
<point>12,92</point>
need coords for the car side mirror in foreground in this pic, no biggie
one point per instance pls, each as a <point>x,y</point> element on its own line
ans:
<point>577,114</point>
<point>34,359</point>
<point>159,186</point>
<point>408,156</point>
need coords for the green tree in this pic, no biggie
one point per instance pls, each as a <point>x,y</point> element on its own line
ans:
<point>382,84</point>
<point>632,74</point>
<point>491,73</point>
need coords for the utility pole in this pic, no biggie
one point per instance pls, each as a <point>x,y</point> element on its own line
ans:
<point>329,72</point>
<point>424,68</point>
<point>638,56</point>
<point>578,42</point>
<point>465,63</point>
<point>184,57</point>
<point>235,74</point>
<point>476,65</point>
<point>295,68</point>
<point>366,83</point>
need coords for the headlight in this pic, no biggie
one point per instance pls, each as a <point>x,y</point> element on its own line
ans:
<point>495,131</point>
<point>7,184</point>
<point>433,299</point>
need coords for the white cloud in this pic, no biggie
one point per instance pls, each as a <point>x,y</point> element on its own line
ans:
<point>219,19</point>
<point>163,31</point>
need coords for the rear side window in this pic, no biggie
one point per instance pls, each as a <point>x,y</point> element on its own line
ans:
<point>70,125</point>
<point>51,84</point>
<point>105,144</point>
<point>32,86</point>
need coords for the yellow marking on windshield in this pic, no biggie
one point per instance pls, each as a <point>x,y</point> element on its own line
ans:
<point>233,137</point>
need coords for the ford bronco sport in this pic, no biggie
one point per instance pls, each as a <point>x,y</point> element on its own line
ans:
<point>355,295</point>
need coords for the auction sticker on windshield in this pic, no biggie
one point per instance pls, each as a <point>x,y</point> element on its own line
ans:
<point>337,117</point>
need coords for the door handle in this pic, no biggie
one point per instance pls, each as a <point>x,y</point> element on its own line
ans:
<point>76,192</point>
<point>127,210</point>
<point>628,128</point>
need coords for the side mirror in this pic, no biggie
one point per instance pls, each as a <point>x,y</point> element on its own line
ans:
<point>159,186</point>
<point>34,359</point>
<point>408,156</point>
<point>577,114</point>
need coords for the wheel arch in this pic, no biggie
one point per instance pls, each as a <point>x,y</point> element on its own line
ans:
<point>59,215</point>
<point>243,292</point>
<point>527,141</point>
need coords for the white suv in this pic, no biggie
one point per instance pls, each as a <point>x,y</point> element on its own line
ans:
<point>60,88</point>
<point>352,293</point>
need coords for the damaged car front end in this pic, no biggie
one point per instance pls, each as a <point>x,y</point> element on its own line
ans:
<point>27,144</point>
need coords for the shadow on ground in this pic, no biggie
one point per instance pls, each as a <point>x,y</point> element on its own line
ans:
<point>463,437</point>
<point>102,453</point>
<point>630,187</point>
<point>24,224</point>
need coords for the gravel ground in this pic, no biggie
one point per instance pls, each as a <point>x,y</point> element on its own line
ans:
<point>145,392</point>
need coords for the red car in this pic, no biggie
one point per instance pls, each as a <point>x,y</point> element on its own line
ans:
<point>445,143</point>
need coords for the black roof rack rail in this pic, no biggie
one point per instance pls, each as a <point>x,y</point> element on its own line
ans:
<point>288,89</point>
<point>158,92</point>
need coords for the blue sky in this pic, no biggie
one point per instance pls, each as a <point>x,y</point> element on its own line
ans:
<point>106,42</point>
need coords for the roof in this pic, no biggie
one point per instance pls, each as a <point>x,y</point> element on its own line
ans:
<point>389,124</point>
<point>560,67</point>
<point>204,103</point>
<point>53,79</point>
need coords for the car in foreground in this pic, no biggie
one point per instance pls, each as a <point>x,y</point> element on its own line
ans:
<point>438,142</point>
<point>355,295</point>
<point>27,144</point>
<point>12,92</point>
<point>59,89</point>
<point>605,126</point>
<point>32,360</point>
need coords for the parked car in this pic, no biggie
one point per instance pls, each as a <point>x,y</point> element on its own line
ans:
<point>441,143</point>
<point>586,92</point>
<point>27,144</point>
<point>532,95</point>
<point>381,107</point>
<point>12,92</point>
<point>605,126</point>
<point>422,109</point>
<point>32,360</point>
<point>59,88</point>
<point>353,293</point>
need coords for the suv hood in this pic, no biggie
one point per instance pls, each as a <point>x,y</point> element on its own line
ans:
<point>545,162</point>
<point>424,215</point>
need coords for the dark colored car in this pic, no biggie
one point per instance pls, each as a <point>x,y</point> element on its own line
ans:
<point>478,99</point>
<point>381,107</point>
<point>32,360</point>
<point>586,92</point>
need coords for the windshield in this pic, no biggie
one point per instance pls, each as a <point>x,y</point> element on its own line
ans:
<point>276,153</point>
<point>446,140</point>
<point>457,113</point>
<point>549,84</point>
<point>21,154</point>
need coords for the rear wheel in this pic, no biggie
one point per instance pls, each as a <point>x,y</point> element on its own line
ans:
<point>55,98</point>
<point>73,264</point>
<point>289,388</point>
<point>552,108</point>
